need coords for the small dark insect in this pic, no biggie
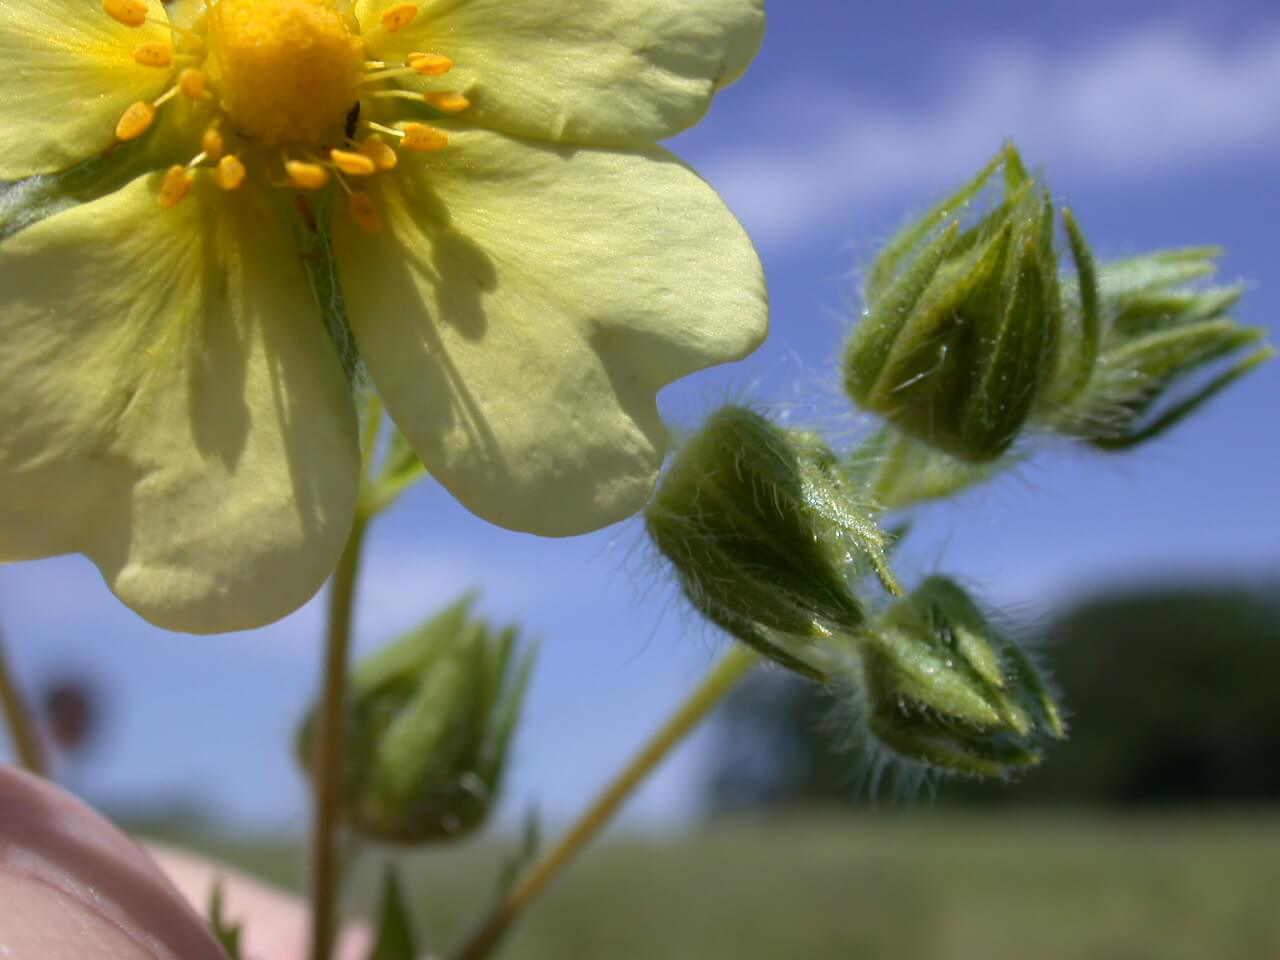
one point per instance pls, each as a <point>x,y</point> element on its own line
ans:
<point>352,119</point>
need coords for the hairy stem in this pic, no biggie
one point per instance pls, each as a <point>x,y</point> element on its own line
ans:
<point>22,728</point>
<point>719,681</point>
<point>327,762</point>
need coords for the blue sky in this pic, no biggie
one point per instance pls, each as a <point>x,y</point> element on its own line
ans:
<point>1158,122</point>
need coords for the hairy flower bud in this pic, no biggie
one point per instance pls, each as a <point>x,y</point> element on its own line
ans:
<point>429,721</point>
<point>766,536</point>
<point>1157,328</point>
<point>943,688</point>
<point>962,323</point>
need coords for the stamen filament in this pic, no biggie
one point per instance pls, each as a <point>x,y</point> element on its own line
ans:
<point>446,101</point>
<point>387,74</point>
<point>165,97</point>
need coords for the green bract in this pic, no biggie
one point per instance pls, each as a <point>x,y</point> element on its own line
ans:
<point>1158,328</point>
<point>942,687</point>
<point>961,324</point>
<point>175,395</point>
<point>766,537</point>
<point>430,719</point>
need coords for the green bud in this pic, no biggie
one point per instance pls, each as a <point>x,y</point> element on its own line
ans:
<point>962,324</point>
<point>766,535</point>
<point>1158,329</point>
<point>429,721</point>
<point>945,689</point>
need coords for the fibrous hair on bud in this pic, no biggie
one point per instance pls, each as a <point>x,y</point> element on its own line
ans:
<point>938,690</point>
<point>1162,323</point>
<point>963,317</point>
<point>767,538</point>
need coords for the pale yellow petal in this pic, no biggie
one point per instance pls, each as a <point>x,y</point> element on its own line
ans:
<point>525,303</point>
<point>171,406</point>
<point>67,73</point>
<point>598,72</point>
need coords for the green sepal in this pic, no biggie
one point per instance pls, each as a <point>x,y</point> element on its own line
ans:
<point>962,326</point>
<point>395,939</point>
<point>227,934</point>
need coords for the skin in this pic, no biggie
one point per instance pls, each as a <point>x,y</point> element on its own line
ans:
<point>73,887</point>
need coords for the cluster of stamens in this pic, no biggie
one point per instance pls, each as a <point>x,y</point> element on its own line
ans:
<point>366,146</point>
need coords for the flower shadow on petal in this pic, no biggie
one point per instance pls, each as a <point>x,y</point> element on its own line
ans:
<point>460,272</point>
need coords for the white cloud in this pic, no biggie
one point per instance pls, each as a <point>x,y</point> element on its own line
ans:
<point>1148,103</point>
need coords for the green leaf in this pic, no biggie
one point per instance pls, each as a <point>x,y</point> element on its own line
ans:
<point>227,934</point>
<point>395,940</point>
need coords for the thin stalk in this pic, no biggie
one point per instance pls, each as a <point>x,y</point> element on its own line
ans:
<point>326,763</point>
<point>718,682</point>
<point>22,728</point>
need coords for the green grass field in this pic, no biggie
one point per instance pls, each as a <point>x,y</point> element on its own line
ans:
<point>923,885</point>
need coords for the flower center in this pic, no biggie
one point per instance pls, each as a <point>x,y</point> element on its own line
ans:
<point>287,71</point>
<point>286,83</point>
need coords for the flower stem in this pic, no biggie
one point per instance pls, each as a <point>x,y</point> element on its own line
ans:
<point>719,681</point>
<point>326,765</point>
<point>22,728</point>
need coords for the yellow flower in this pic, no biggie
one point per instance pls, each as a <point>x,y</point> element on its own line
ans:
<point>522,270</point>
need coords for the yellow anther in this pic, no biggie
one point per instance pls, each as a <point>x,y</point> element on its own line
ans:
<point>135,120</point>
<point>449,101</point>
<point>353,164</point>
<point>174,186</point>
<point>153,53</point>
<point>377,150</point>
<point>191,83</point>
<point>429,64</point>
<point>230,173</point>
<point>424,139</point>
<point>211,142</point>
<point>365,213</point>
<point>399,16</point>
<point>306,176</point>
<point>132,13</point>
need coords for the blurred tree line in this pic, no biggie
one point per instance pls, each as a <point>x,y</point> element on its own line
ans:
<point>1174,693</point>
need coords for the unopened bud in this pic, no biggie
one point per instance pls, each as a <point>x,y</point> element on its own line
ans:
<point>945,689</point>
<point>766,537</point>
<point>962,323</point>
<point>429,721</point>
